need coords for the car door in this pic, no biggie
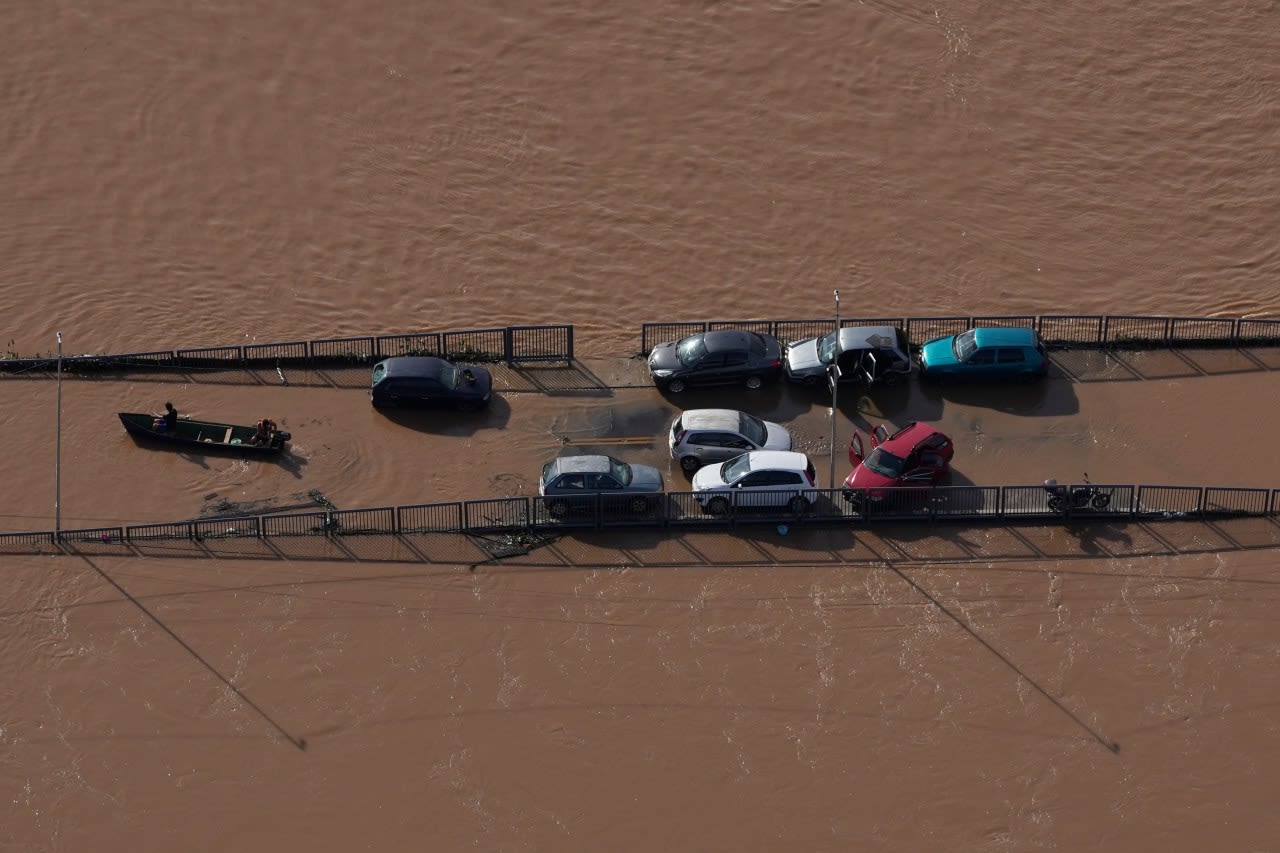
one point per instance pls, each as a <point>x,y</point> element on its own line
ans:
<point>756,489</point>
<point>735,366</point>
<point>568,484</point>
<point>603,483</point>
<point>982,364</point>
<point>855,367</point>
<point>707,371</point>
<point>1011,361</point>
<point>723,446</point>
<point>928,461</point>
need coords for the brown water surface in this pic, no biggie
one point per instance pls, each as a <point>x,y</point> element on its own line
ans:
<point>208,174</point>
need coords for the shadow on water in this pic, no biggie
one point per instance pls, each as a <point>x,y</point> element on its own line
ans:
<point>286,460</point>
<point>1052,397</point>
<point>444,421</point>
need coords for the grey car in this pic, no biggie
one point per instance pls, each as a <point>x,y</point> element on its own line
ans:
<point>701,436</point>
<point>590,480</point>
<point>866,354</point>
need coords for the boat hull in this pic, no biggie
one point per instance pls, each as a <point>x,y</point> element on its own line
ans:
<point>202,436</point>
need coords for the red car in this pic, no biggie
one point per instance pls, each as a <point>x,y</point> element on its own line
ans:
<point>916,455</point>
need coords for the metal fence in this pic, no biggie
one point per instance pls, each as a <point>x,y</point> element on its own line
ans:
<point>1056,330</point>
<point>693,510</point>
<point>509,344</point>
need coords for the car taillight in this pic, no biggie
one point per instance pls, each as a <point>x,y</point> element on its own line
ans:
<point>776,363</point>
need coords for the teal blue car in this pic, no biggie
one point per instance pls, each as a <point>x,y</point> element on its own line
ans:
<point>985,353</point>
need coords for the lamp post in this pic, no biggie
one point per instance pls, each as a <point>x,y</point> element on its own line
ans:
<point>833,379</point>
<point>57,455</point>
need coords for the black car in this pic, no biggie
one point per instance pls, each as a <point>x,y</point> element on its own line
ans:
<point>724,357</point>
<point>423,381</point>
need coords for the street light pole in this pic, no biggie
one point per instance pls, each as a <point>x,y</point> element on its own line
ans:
<point>57,455</point>
<point>833,377</point>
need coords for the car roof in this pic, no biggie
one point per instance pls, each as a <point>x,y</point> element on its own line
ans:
<point>908,437</point>
<point>730,339</point>
<point>415,365</point>
<point>1000,336</point>
<point>711,419</point>
<point>790,460</point>
<point>587,463</point>
<point>868,337</point>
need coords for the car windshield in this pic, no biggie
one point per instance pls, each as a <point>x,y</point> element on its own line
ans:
<point>965,344</point>
<point>753,429</point>
<point>735,468</point>
<point>621,471</point>
<point>827,348</point>
<point>691,350</point>
<point>885,463</point>
<point>449,376</point>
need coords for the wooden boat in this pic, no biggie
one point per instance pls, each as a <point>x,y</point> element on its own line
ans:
<point>203,435</point>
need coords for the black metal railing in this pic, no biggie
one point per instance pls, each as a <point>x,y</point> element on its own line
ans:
<point>1117,331</point>
<point>507,344</point>
<point>691,509</point>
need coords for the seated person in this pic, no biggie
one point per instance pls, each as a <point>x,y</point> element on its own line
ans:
<point>168,422</point>
<point>263,432</point>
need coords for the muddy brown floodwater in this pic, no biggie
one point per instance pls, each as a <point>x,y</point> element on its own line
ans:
<point>219,174</point>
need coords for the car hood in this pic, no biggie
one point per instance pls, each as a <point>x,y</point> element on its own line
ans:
<point>645,478</point>
<point>479,386</point>
<point>938,352</point>
<point>802,357</point>
<point>776,437</point>
<point>863,477</point>
<point>707,478</point>
<point>663,357</point>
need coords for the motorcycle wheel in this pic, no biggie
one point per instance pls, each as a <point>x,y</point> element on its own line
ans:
<point>1055,504</point>
<point>1101,500</point>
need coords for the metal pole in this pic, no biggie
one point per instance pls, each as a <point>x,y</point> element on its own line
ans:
<point>57,456</point>
<point>834,377</point>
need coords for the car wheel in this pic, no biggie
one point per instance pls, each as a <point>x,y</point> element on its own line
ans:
<point>854,499</point>
<point>1101,501</point>
<point>639,505</point>
<point>558,509</point>
<point>754,382</point>
<point>690,463</point>
<point>718,506</point>
<point>798,505</point>
<point>675,386</point>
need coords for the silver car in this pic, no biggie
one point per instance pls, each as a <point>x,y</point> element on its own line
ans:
<point>582,482</point>
<point>866,354</point>
<point>701,436</point>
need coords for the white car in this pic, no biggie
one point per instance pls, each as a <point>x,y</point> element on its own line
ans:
<point>758,479</point>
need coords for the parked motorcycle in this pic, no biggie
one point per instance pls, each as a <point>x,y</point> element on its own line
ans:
<point>1064,498</point>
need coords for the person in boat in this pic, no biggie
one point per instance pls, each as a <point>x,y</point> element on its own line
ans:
<point>264,432</point>
<point>168,422</point>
